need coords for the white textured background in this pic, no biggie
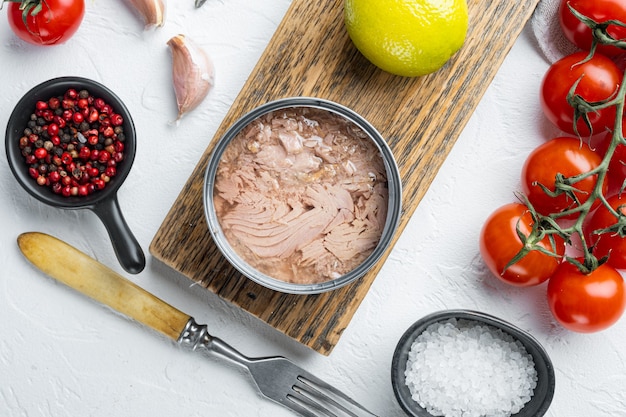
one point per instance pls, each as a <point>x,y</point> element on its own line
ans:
<point>63,355</point>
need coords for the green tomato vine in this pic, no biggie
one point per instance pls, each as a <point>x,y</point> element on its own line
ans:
<point>549,225</point>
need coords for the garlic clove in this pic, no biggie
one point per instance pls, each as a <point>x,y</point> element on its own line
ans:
<point>193,73</point>
<point>152,11</point>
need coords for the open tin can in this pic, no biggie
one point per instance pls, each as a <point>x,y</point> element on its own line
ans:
<point>214,201</point>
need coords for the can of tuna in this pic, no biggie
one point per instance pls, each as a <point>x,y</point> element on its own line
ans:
<point>302,195</point>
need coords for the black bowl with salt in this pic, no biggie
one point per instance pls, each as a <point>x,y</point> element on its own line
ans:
<point>463,360</point>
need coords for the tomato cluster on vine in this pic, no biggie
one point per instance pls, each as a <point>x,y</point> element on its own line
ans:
<point>569,226</point>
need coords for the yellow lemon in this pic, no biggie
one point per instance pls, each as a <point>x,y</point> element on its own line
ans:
<point>407,37</point>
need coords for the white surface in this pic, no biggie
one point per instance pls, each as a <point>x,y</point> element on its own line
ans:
<point>64,355</point>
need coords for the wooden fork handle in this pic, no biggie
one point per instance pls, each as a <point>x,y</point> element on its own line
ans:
<point>90,277</point>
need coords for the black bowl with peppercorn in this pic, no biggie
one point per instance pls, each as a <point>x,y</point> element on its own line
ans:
<point>70,143</point>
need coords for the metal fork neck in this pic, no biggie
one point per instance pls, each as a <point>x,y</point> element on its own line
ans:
<point>196,336</point>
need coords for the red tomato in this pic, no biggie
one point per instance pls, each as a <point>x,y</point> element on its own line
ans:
<point>499,243</point>
<point>600,80</point>
<point>563,155</point>
<point>608,243</point>
<point>616,172</point>
<point>598,10</point>
<point>586,303</point>
<point>55,23</point>
<point>617,166</point>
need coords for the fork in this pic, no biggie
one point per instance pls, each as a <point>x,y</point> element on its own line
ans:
<point>276,377</point>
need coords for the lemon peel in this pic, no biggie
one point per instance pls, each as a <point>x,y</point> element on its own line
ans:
<point>407,37</point>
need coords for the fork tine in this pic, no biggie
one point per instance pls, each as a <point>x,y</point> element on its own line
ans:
<point>321,392</point>
<point>312,406</point>
<point>320,400</point>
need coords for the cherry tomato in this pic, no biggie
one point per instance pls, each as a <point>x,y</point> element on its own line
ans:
<point>617,166</point>
<point>54,23</point>
<point>599,80</point>
<point>499,243</point>
<point>616,173</point>
<point>563,155</point>
<point>608,243</point>
<point>586,303</point>
<point>598,10</point>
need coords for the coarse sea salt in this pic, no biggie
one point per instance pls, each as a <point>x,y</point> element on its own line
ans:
<point>462,368</point>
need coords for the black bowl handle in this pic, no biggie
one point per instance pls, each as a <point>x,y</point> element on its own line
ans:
<point>127,249</point>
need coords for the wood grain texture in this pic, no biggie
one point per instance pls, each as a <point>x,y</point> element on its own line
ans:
<point>311,55</point>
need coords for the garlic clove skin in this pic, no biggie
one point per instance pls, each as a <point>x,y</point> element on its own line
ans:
<point>152,12</point>
<point>193,73</point>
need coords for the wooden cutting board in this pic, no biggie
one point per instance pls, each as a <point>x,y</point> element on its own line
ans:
<point>311,55</point>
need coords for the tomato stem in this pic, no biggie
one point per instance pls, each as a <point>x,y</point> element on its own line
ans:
<point>600,30</point>
<point>550,225</point>
<point>557,224</point>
